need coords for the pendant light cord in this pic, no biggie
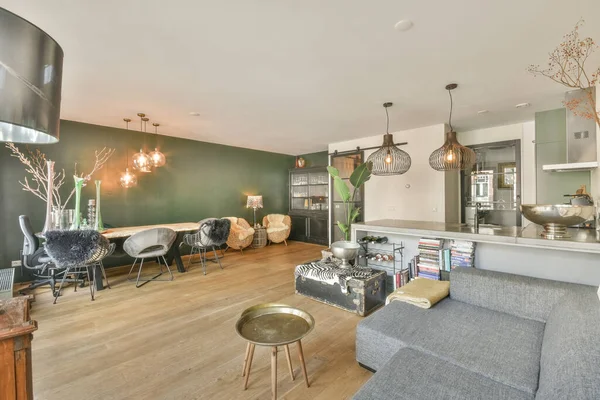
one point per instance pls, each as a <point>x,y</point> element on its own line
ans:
<point>387,121</point>
<point>450,118</point>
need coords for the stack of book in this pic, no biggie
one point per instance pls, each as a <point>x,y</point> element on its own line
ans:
<point>431,258</point>
<point>401,278</point>
<point>462,254</point>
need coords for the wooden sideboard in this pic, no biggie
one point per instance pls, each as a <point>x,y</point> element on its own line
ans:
<point>15,349</point>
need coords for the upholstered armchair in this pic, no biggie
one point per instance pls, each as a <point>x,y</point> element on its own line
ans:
<point>278,227</point>
<point>241,234</point>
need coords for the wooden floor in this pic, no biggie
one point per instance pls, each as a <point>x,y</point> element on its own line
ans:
<point>176,340</point>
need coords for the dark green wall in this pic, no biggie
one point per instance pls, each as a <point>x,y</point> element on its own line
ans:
<point>551,148</point>
<point>200,180</point>
<point>320,159</point>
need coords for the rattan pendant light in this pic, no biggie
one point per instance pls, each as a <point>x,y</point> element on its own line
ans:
<point>452,156</point>
<point>389,159</point>
<point>141,161</point>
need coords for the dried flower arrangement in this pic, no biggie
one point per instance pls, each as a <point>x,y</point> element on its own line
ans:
<point>566,65</point>
<point>35,165</point>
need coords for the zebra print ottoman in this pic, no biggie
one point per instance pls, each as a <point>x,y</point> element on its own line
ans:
<point>358,290</point>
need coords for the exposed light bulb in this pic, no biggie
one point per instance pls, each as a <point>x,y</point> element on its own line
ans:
<point>128,179</point>
<point>388,158</point>
<point>450,156</point>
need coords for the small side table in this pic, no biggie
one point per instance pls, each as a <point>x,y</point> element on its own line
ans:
<point>274,325</point>
<point>260,238</point>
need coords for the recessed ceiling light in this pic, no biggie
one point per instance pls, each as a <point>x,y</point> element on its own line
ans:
<point>403,25</point>
<point>483,111</point>
<point>195,114</point>
<point>522,105</point>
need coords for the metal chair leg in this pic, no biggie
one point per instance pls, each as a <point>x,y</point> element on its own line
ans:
<point>203,259</point>
<point>141,282</point>
<point>104,274</point>
<point>92,280</point>
<point>137,285</point>
<point>57,293</point>
<point>131,269</point>
<point>217,257</point>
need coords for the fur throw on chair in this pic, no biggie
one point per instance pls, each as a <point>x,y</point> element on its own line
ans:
<point>75,248</point>
<point>217,230</point>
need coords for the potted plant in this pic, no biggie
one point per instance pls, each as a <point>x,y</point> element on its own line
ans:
<point>359,176</point>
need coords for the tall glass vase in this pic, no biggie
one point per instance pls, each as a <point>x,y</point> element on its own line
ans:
<point>50,187</point>
<point>98,225</point>
<point>77,220</point>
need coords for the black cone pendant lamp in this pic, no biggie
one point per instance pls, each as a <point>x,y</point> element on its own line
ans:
<point>389,159</point>
<point>452,156</point>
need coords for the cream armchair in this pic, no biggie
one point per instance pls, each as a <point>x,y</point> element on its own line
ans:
<point>278,227</point>
<point>241,234</point>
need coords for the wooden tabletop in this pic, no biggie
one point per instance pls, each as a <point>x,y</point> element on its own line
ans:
<point>14,318</point>
<point>118,233</point>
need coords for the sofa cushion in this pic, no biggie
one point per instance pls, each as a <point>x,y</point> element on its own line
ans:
<point>523,296</point>
<point>413,375</point>
<point>500,346</point>
<point>570,360</point>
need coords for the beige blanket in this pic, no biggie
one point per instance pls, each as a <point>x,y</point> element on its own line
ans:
<point>421,292</point>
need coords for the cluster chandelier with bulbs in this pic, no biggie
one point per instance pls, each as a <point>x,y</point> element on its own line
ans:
<point>142,161</point>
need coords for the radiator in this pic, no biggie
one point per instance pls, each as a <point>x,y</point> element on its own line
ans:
<point>6,283</point>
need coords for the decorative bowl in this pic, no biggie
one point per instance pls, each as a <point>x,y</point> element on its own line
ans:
<point>556,218</point>
<point>345,251</point>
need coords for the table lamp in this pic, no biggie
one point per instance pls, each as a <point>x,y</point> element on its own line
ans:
<point>254,202</point>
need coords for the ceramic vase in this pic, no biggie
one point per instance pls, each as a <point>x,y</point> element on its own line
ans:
<point>77,218</point>
<point>50,189</point>
<point>98,225</point>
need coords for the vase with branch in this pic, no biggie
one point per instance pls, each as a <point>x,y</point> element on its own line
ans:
<point>359,176</point>
<point>567,66</point>
<point>44,183</point>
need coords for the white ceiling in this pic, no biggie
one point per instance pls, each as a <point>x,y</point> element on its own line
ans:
<point>292,76</point>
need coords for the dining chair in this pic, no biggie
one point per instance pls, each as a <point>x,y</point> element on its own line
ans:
<point>78,252</point>
<point>151,243</point>
<point>213,233</point>
<point>35,259</point>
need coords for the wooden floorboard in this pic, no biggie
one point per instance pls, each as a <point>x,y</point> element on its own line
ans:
<point>176,340</point>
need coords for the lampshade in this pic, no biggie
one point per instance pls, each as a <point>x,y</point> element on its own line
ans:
<point>141,162</point>
<point>389,159</point>
<point>254,202</point>
<point>128,179</point>
<point>452,155</point>
<point>157,159</point>
<point>30,82</point>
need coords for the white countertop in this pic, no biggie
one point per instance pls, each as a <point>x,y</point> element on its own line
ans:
<point>582,240</point>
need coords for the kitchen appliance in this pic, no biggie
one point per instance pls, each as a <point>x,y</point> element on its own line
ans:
<point>482,188</point>
<point>581,137</point>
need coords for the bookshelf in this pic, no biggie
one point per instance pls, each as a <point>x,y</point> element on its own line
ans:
<point>387,257</point>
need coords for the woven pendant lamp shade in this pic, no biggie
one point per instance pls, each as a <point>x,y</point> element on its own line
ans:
<point>389,159</point>
<point>452,155</point>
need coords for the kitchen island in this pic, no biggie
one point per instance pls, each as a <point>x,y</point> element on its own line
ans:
<point>507,249</point>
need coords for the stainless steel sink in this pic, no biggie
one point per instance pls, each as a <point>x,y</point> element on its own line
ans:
<point>556,218</point>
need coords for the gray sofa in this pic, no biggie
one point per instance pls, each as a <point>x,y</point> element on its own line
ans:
<point>498,336</point>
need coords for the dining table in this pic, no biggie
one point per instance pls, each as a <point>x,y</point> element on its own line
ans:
<point>122,233</point>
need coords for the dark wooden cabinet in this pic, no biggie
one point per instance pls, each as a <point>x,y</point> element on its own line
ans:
<point>309,201</point>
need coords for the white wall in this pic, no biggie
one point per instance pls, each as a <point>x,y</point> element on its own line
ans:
<point>523,131</point>
<point>388,197</point>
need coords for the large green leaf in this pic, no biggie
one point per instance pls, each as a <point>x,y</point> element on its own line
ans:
<point>361,174</point>
<point>341,187</point>
<point>354,214</point>
<point>343,227</point>
<point>333,171</point>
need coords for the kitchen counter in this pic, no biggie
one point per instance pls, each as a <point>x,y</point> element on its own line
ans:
<point>582,240</point>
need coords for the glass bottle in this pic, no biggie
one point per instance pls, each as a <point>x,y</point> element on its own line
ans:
<point>77,218</point>
<point>98,225</point>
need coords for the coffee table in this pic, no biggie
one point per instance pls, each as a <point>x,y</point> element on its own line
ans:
<point>274,325</point>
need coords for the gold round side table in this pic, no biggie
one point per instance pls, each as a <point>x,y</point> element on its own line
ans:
<point>274,325</point>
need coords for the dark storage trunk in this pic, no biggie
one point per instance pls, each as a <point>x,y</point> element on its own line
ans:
<point>363,297</point>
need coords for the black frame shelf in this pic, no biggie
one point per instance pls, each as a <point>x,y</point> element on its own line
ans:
<point>390,266</point>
